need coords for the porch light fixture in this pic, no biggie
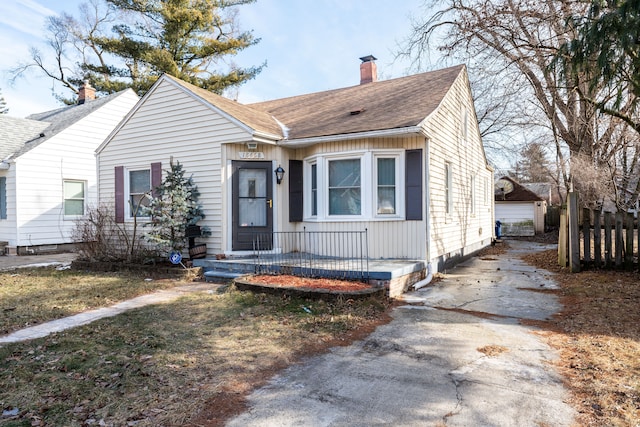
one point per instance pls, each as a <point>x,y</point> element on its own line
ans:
<point>279,174</point>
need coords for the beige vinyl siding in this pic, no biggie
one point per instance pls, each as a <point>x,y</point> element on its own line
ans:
<point>458,232</point>
<point>390,238</point>
<point>172,124</point>
<point>69,155</point>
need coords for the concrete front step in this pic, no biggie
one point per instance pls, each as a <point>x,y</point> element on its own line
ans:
<point>218,275</point>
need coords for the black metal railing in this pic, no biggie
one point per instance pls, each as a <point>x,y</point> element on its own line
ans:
<point>329,254</point>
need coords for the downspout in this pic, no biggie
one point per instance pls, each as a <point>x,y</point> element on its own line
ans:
<point>424,282</point>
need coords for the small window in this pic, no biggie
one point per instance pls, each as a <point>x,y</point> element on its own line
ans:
<point>139,187</point>
<point>386,186</point>
<point>344,187</point>
<point>448,182</point>
<point>314,189</point>
<point>74,197</point>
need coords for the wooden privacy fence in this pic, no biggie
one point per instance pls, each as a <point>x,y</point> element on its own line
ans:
<point>595,239</point>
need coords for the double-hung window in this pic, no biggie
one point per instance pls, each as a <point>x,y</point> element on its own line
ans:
<point>74,197</point>
<point>386,191</point>
<point>139,191</point>
<point>345,193</point>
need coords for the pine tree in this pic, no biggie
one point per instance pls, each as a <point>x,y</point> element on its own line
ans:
<point>173,207</point>
<point>3,105</point>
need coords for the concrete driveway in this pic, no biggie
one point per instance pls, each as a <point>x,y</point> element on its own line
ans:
<point>425,368</point>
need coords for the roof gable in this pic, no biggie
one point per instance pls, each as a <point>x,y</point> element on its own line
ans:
<point>398,103</point>
<point>256,120</point>
<point>36,129</point>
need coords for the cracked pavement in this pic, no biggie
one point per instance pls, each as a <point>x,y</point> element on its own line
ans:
<point>425,367</point>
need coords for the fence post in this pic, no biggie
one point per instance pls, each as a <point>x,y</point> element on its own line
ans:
<point>574,233</point>
<point>607,240</point>
<point>619,245</point>
<point>628,253</point>
<point>586,234</point>
<point>597,239</point>
<point>563,241</point>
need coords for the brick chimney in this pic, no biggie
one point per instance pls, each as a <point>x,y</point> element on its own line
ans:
<point>368,70</point>
<point>86,93</point>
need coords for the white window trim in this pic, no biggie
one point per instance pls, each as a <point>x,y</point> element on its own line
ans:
<point>127,195</point>
<point>368,186</point>
<point>84,200</point>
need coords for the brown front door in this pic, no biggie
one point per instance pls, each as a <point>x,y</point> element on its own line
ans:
<point>252,203</point>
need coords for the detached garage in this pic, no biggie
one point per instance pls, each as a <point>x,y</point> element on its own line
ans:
<point>520,210</point>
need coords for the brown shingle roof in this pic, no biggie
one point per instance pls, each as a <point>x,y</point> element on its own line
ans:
<point>519,193</point>
<point>388,104</point>
<point>382,105</point>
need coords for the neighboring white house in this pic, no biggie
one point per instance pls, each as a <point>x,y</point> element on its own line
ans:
<point>520,211</point>
<point>401,158</point>
<point>48,169</point>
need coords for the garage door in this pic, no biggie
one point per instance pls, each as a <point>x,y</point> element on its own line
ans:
<point>516,218</point>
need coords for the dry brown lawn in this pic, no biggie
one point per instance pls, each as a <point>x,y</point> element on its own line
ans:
<point>598,337</point>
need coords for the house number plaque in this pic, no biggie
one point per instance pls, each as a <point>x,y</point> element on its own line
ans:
<point>251,155</point>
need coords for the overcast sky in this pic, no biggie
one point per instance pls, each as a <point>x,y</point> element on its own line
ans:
<point>308,45</point>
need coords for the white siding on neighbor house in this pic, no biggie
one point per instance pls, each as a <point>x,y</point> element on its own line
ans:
<point>8,231</point>
<point>517,218</point>
<point>173,124</point>
<point>68,155</point>
<point>463,230</point>
<point>388,238</point>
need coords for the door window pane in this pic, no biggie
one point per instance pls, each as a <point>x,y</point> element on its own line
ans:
<point>73,197</point>
<point>252,202</point>
<point>386,186</point>
<point>344,187</point>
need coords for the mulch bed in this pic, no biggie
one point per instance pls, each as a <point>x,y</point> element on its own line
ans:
<point>306,287</point>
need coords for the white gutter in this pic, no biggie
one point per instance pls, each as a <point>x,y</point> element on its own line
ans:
<point>424,282</point>
<point>304,142</point>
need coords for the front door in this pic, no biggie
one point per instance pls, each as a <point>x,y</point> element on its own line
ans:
<point>252,204</point>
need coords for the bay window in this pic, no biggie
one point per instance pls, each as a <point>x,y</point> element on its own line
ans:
<point>362,185</point>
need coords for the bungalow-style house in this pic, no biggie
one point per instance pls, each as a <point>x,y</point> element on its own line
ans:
<point>521,212</point>
<point>401,158</point>
<point>48,169</point>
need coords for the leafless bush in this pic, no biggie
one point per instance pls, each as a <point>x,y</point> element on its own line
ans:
<point>103,239</point>
<point>593,182</point>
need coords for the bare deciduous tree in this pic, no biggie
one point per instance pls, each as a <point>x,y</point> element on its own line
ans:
<point>519,40</point>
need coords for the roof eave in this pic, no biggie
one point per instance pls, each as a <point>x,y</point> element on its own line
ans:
<point>306,142</point>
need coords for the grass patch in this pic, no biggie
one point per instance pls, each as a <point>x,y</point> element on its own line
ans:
<point>32,296</point>
<point>189,362</point>
<point>598,336</point>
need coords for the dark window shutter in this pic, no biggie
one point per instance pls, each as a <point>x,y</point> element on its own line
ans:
<point>119,182</point>
<point>3,198</point>
<point>156,176</point>
<point>413,185</point>
<point>296,187</point>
